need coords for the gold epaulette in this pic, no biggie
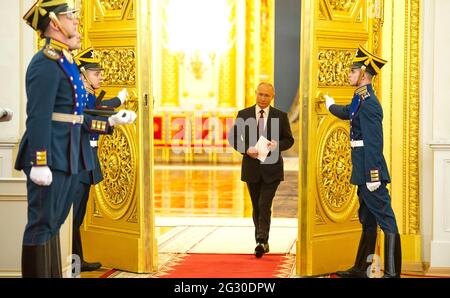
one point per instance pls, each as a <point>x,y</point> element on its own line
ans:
<point>51,52</point>
<point>54,49</point>
<point>362,92</point>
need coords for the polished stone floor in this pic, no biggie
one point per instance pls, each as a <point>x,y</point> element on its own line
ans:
<point>198,208</point>
<point>216,191</point>
<point>201,207</point>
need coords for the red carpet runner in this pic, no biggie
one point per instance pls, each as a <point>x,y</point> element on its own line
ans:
<point>231,266</point>
<point>218,266</point>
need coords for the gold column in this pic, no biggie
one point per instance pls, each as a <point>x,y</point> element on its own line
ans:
<point>169,73</point>
<point>228,65</point>
<point>259,46</point>
<point>401,91</point>
<point>267,37</point>
<point>227,82</point>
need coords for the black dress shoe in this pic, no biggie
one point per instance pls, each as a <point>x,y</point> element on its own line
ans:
<point>259,250</point>
<point>85,266</point>
<point>352,273</point>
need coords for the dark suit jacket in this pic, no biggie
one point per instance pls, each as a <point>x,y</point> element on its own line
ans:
<point>366,116</point>
<point>244,134</point>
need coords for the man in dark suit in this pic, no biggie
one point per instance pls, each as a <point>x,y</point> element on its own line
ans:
<point>369,171</point>
<point>262,173</point>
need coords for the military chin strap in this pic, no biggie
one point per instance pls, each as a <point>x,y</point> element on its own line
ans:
<point>54,18</point>
<point>361,75</point>
<point>89,88</point>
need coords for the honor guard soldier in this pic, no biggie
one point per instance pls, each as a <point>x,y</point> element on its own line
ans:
<point>91,72</point>
<point>49,152</point>
<point>369,170</point>
<point>49,148</point>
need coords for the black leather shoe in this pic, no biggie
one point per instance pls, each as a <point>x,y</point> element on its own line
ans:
<point>85,266</point>
<point>352,273</point>
<point>266,248</point>
<point>259,250</point>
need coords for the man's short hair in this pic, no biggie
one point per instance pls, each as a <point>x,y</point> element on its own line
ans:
<point>268,84</point>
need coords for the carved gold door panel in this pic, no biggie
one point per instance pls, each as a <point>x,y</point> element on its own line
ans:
<point>118,229</point>
<point>329,228</point>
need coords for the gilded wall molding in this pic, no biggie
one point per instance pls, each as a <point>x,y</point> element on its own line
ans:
<point>117,157</point>
<point>227,66</point>
<point>337,195</point>
<point>411,203</point>
<point>170,84</point>
<point>250,52</point>
<point>113,4</point>
<point>119,65</point>
<point>82,21</point>
<point>133,218</point>
<point>267,20</point>
<point>318,219</point>
<point>227,82</point>
<point>334,66</point>
<point>341,5</point>
<point>260,45</point>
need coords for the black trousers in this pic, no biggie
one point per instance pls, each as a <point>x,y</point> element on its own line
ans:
<point>262,194</point>
<point>79,211</point>
<point>80,204</point>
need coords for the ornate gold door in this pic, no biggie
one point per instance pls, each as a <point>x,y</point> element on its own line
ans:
<point>329,228</point>
<point>118,229</point>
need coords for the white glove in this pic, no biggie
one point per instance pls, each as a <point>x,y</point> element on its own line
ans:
<point>5,115</point>
<point>133,116</point>
<point>372,186</point>
<point>122,95</point>
<point>41,175</point>
<point>122,117</point>
<point>329,101</point>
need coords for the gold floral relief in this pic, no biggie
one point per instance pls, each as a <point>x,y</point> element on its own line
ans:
<point>81,7</point>
<point>251,59</point>
<point>119,65</point>
<point>227,83</point>
<point>118,163</point>
<point>334,67</point>
<point>133,217</point>
<point>133,101</point>
<point>413,104</point>
<point>113,4</point>
<point>318,219</point>
<point>341,5</point>
<point>266,40</point>
<point>337,195</point>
